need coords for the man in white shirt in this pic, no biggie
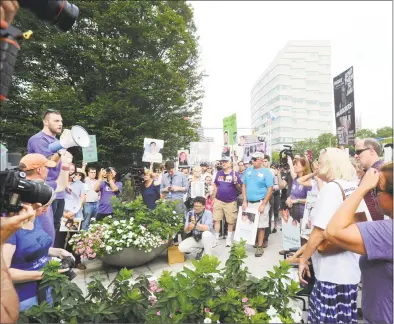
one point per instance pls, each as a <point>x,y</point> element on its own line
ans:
<point>153,155</point>
<point>90,209</point>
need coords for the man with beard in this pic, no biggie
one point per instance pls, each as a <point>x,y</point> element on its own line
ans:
<point>39,143</point>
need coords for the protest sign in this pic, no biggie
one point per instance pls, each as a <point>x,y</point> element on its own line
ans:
<point>345,119</point>
<point>247,224</point>
<point>152,150</point>
<point>89,154</point>
<point>230,134</point>
<point>306,223</point>
<point>290,232</point>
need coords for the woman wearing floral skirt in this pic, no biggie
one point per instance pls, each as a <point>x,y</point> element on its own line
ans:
<point>337,274</point>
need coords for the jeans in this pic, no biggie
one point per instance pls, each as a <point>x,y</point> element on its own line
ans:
<point>90,210</point>
<point>180,208</point>
<point>58,210</point>
<point>275,202</point>
<point>27,303</point>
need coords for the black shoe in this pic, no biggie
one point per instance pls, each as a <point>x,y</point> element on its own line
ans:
<point>199,254</point>
<point>274,231</point>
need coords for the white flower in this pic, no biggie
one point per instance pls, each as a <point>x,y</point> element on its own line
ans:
<point>108,248</point>
<point>109,216</point>
<point>275,319</point>
<point>207,320</point>
<point>116,223</point>
<point>123,221</point>
<point>120,231</point>
<point>271,312</point>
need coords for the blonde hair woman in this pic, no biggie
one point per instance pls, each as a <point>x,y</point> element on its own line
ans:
<point>196,176</point>
<point>150,189</point>
<point>334,295</point>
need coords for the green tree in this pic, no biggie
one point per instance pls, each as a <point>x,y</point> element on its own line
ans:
<point>315,144</point>
<point>384,132</point>
<point>127,70</point>
<point>365,133</point>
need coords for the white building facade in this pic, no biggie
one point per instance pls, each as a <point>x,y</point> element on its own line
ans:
<point>297,89</point>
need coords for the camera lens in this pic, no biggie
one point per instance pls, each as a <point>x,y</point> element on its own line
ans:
<point>60,13</point>
<point>34,192</point>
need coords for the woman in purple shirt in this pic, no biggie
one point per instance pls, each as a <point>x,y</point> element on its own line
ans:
<point>373,240</point>
<point>296,202</point>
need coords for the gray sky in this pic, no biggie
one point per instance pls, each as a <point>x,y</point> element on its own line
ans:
<point>239,39</point>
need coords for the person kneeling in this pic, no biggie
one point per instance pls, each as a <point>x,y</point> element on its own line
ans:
<point>199,226</point>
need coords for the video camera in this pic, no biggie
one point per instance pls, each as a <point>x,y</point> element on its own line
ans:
<point>60,13</point>
<point>15,189</point>
<point>287,151</point>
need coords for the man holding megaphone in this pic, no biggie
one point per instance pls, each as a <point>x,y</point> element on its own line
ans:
<point>46,143</point>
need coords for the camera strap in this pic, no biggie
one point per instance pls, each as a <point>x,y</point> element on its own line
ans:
<point>202,214</point>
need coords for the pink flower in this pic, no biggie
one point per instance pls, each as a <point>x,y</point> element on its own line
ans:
<point>244,300</point>
<point>158,313</point>
<point>152,300</point>
<point>159,290</point>
<point>206,310</point>
<point>93,255</point>
<point>249,311</point>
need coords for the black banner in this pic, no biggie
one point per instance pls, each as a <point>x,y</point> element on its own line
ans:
<point>345,119</point>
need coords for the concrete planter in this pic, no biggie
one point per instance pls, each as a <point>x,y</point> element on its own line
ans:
<point>132,257</point>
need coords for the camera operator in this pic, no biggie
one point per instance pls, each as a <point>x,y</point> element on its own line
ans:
<point>25,253</point>
<point>108,186</point>
<point>39,143</point>
<point>37,168</point>
<point>198,224</point>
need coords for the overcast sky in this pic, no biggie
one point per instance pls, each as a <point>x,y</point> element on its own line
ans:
<point>239,39</point>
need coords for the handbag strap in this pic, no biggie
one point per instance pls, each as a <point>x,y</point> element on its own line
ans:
<point>342,191</point>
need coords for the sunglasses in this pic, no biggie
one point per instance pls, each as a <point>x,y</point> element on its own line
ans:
<point>358,152</point>
<point>49,111</point>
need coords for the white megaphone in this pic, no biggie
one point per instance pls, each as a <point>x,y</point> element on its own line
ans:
<point>77,136</point>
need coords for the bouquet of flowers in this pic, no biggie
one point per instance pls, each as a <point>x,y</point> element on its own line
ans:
<point>131,225</point>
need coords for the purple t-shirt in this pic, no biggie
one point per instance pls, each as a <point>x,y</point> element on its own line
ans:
<point>105,206</point>
<point>226,189</point>
<point>46,221</point>
<point>31,254</point>
<point>39,143</point>
<point>298,192</point>
<point>377,271</point>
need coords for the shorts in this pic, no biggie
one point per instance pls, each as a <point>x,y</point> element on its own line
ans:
<point>229,210</point>
<point>264,216</point>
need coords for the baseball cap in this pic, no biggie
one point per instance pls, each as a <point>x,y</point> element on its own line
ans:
<point>34,161</point>
<point>258,155</point>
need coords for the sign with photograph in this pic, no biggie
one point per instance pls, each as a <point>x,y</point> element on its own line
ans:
<point>306,223</point>
<point>247,224</point>
<point>183,158</point>
<point>89,154</point>
<point>345,119</point>
<point>230,134</point>
<point>70,225</point>
<point>197,189</point>
<point>153,150</point>
<point>291,237</point>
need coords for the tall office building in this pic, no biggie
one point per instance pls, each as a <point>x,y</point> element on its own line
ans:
<point>297,89</point>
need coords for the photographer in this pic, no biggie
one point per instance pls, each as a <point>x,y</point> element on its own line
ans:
<point>37,168</point>
<point>198,224</point>
<point>109,187</point>
<point>25,253</point>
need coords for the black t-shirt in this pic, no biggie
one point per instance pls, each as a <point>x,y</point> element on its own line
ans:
<point>285,193</point>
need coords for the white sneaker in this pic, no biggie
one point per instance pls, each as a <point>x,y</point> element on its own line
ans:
<point>228,242</point>
<point>216,243</point>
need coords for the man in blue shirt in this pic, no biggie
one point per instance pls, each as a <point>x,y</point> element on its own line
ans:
<point>256,192</point>
<point>174,185</point>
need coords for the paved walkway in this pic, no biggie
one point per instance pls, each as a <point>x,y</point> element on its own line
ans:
<point>257,266</point>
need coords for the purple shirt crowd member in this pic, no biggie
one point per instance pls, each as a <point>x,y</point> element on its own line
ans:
<point>372,240</point>
<point>225,199</point>
<point>108,188</point>
<point>39,143</point>
<point>367,152</point>
<point>36,168</point>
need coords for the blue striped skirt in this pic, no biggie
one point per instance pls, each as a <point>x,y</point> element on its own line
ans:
<point>332,303</point>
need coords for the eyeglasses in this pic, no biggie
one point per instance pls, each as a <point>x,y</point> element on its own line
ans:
<point>358,152</point>
<point>49,111</point>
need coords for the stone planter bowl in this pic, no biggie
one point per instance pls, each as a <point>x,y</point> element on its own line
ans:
<point>132,257</point>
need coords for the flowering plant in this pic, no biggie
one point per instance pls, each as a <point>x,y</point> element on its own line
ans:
<point>205,294</point>
<point>131,225</point>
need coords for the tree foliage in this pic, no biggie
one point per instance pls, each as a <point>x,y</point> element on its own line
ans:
<point>315,144</point>
<point>127,70</point>
<point>383,132</point>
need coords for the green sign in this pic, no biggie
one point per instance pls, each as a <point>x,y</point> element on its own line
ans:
<point>90,153</point>
<point>230,135</point>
